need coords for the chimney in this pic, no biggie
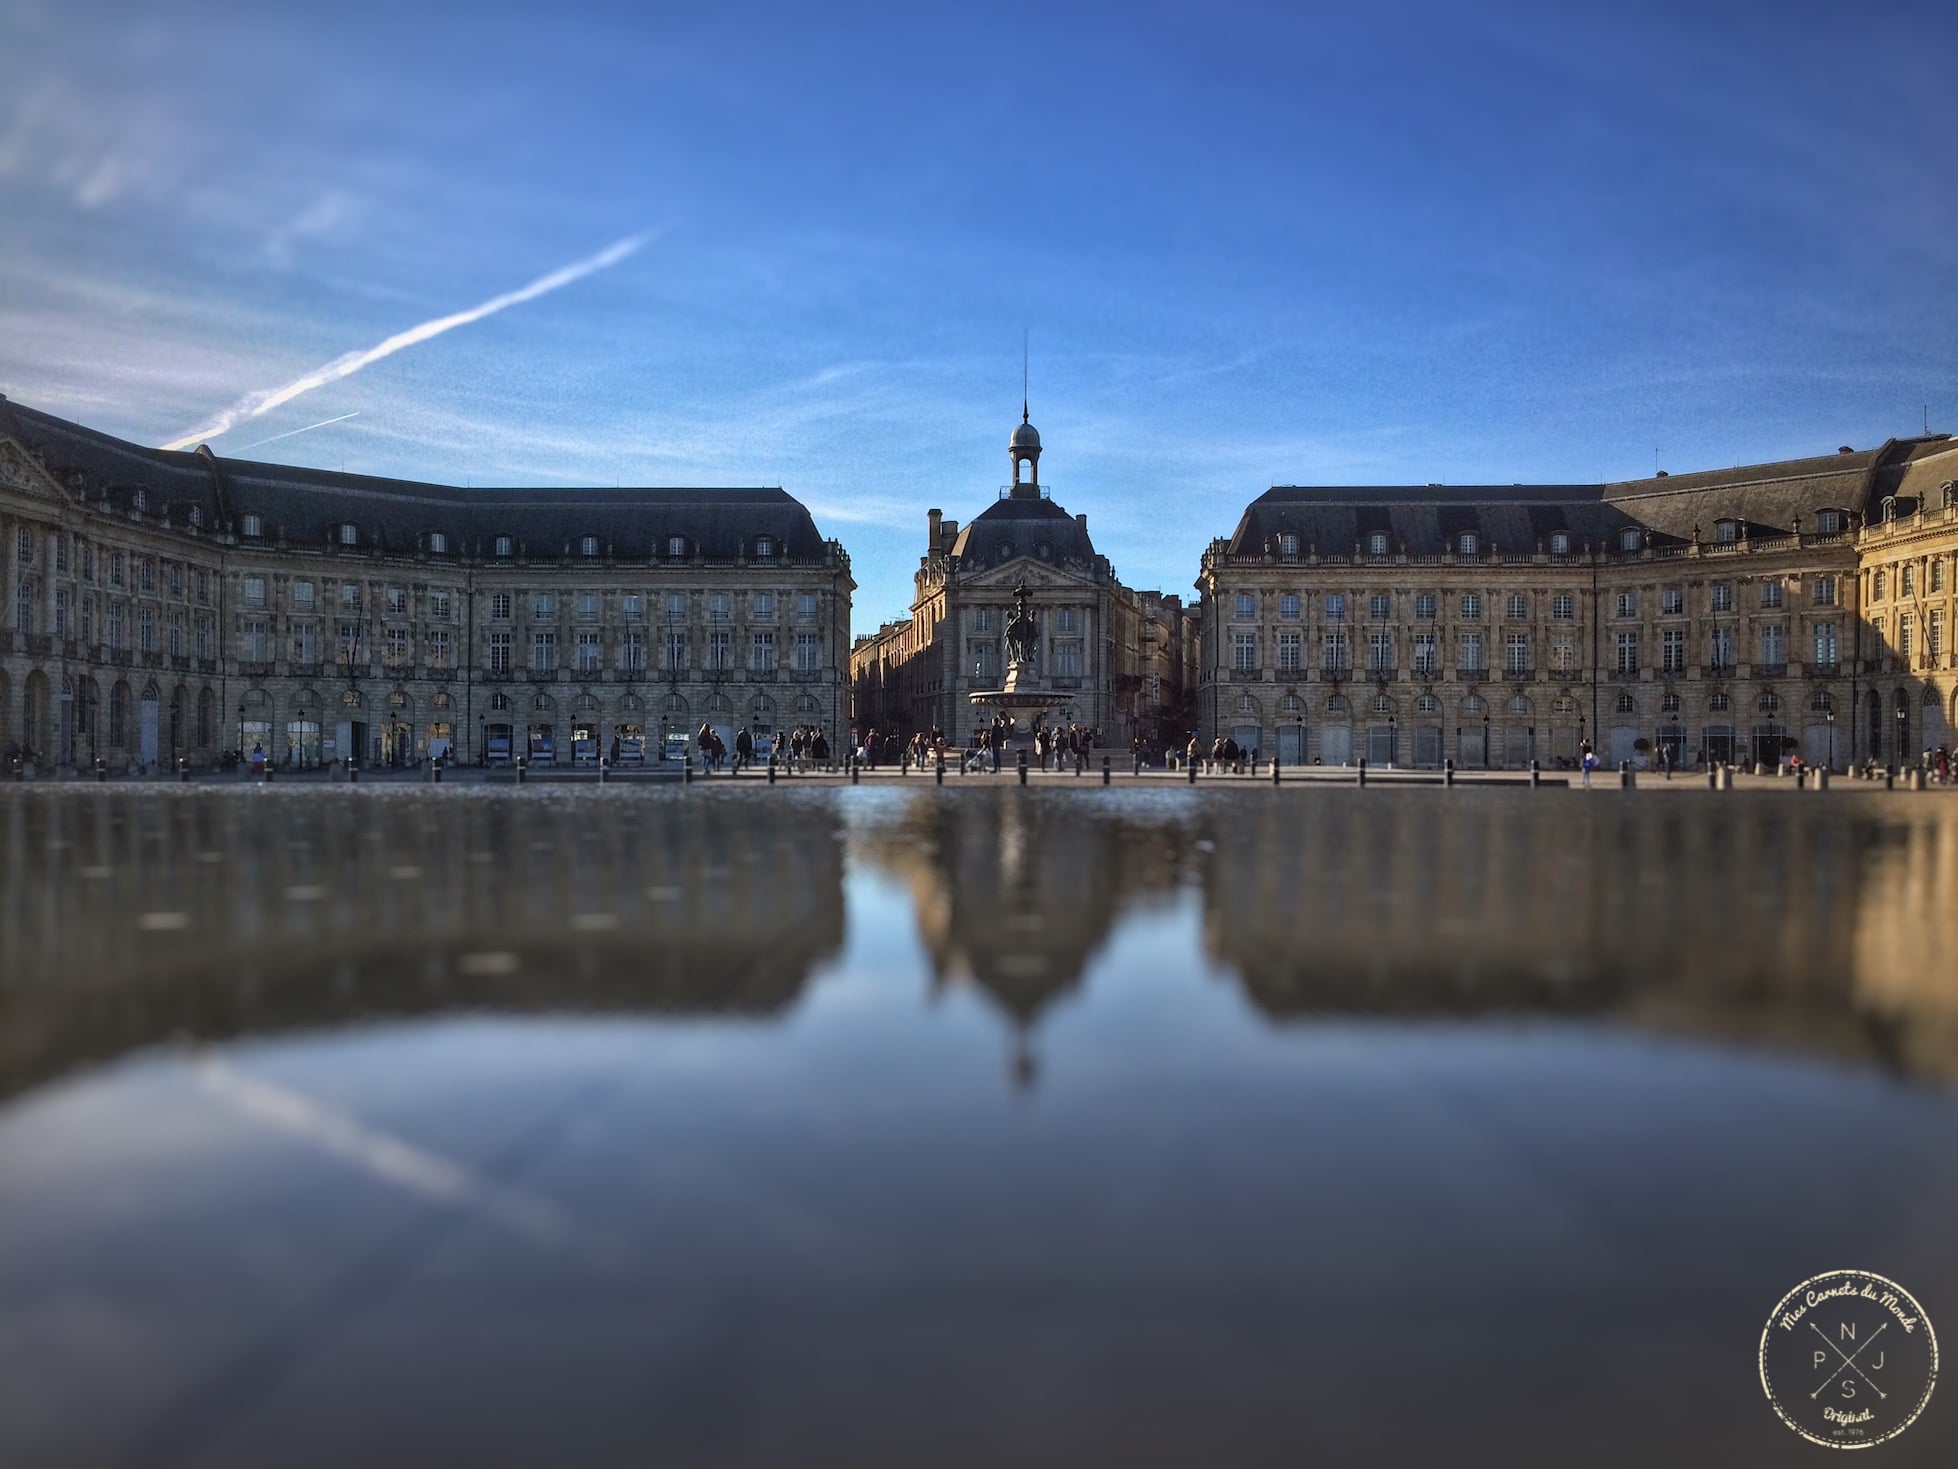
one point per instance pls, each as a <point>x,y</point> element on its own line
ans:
<point>1663,474</point>
<point>1844,449</point>
<point>1082,521</point>
<point>935,519</point>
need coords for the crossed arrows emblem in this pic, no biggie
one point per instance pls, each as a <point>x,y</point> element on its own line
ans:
<point>1848,1360</point>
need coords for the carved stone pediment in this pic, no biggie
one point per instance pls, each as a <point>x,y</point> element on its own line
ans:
<point>1037,575</point>
<point>19,470</point>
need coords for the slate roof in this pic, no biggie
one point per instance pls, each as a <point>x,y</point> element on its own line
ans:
<point>1023,526</point>
<point>306,506</point>
<point>1422,520</point>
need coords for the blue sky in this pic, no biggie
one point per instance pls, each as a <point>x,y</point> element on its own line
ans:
<point>1404,242</point>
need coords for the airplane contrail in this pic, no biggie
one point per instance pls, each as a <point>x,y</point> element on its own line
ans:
<point>306,430</point>
<point>253,404</point>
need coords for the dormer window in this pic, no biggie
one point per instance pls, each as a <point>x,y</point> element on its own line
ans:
<point>503,546</point>
<point>1288,544</point>
<point>764,546</point>
<point>1043,551</point>
<point>1726,531</point>
<point>1630,539</point>
<point>1469,544</point>
<point>1948,494</point>
<point>676,545</point>
<point>195,517</point>
<point>588,546</point>
<point>1006,550</point>
<point>1890,507</point>
<point>1377,544</point>
<point>1828,522</point>
<point>349,534</point>
<point>1560,544</point>
<point>140,502</point>
<point>251,526</point>
<point>438,543</point>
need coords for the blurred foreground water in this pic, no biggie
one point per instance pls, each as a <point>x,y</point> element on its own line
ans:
<point>715,1126</point>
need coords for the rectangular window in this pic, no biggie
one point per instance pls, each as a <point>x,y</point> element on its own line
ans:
<point>1904,631</point>
<point>1516,652</point>
<point>720,650</point>
<point>350,652</point>
<point>1774,645</point>
<point>439,607</point>
<point>1335,657</point>
<point>1628,604</point>
<point>204,635</point>
<point>350,596</point>
<point>1771,594</point>
<point>1673,649</point>
<point>1244,652</point>
<point>982,619</point>
<point>633,605</point>
<point>805,607</point>
<point>61,612</point>
<point>88,562</point>
<point>1424,607</point>
<point>440,651</point>
<point>500,606</point>
<point>398,601</point>
<point>1723,597</point>
<point>543,652</point>
<point>395,649</point>
<point>146,630</point>
<point>1067,659</point>
<point>590,650</point>
<point>1723,647</point>
<point>252,590</point>
<point>719,607</point>
<point>985,659</point>
<point>176,581</point>
<point>179,647</point>
<point>1825,645</point>
<point>808,652</point>
<point>1291,652</point>
<point>676,606</point>
<point>1244,607</point>
<point>1563,607</point>
<point>1380,651</point>
<point>1934,636</point>
<point>1068,620</point>
<point>1471,607</point>
<point>499,652</point>
<point>60,552</point>
<point>677,650</point>
<point>146,575</point>
<point>305,642</point>
<point>1335,606</point>
<point>1470,649</point>
<point>1627,652</point>
<point>302,596</point>
<point>1288,607</point>
<point>1379,606</point>
<point>764,607</point>
<point>118,626</point>
<point>118,568</point>
<point>761,652</point>
<point>253,640</point>
<point>24,546</point>
<point>632,651</point>
<point>1672,602</point>
<point>1427,653</point>
<point>588,606</point>
<point>1563,655</point>
<point>1517,608</point>
<point>1937,575</point>
<point>543,607</point>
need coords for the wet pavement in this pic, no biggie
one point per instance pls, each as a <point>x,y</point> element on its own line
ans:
<point>896,1125</point>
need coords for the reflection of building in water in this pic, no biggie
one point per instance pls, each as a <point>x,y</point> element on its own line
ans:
<point>312,909</point>
<point>1751,922</point>
<point>1015,892</point>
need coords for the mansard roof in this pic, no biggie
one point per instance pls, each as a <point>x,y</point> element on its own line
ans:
<point>1013,527</point>
<point>306,506</point>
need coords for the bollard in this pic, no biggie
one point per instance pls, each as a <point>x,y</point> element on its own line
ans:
<point>1023,767</point>
<point>101,769</point>
<point>1819,778</point>
<point>1713,777</point>
<point>686,770</point>
<point>353,771</point>
<point>1726,778</point>
<point>1107,775</point>
<point>1917,779</point>
<point>1536,774</point>
<point>1448,772</point>
<point>20,768</point>
<point>438,772</point>
<point>605,769</point>
<point>1889,780</point>
<point>856,772</point>
<point>939,770</point>
<point>269,768</point>
<point>1274,770</point>
<point>1363,770</point>
<point>771,768</point>
<point>183,770</point>
<point>1627,777</point>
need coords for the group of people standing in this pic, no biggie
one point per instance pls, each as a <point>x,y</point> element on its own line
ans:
<point>799,748</point>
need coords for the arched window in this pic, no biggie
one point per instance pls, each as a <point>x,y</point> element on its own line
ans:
<point>1770,702</point>
<point>1519,705</point>
<point>764,547</point>
<point>1560,543</point>
<point>1382,704</point>
<point>1337,705</point>
<point>1821,702</point>
<point>140,502</point>
<point>1630,538</point>
<point>196,517</point>
<point>1669,703</point>
<point>588,546</point>
<point>252,526</point>
<point>502,546</point>
<point>1626,704</point>
<point>1427,704</point>
<point>1717,703</point>
<point>1889,507</point>
<point>1292,704</point>
<point>1288,544</point>
<point>1828,522</point>
<point>676,545</point>
<point>349,534</point>
<point>1725,530</point>
<point>1377,544</point>
<point>1470,544</point>
<point>1247,705</point>
<point>438,543</point>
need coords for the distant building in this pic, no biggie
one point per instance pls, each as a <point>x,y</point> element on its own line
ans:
<point>1735,614</point>
<point>157,606</point>
<point>1115,658</point>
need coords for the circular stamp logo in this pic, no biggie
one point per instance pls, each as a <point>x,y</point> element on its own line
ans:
<point>1848,1359</point>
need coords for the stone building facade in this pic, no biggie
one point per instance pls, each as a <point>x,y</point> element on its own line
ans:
<point>1113,657</point>
<point>162,605</point>
<point>1731,614</point>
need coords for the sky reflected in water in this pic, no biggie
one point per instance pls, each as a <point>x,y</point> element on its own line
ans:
<point>956,1127</point>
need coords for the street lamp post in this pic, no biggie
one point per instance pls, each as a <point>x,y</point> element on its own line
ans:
<point>1902,732</point>
<point>1487,762</point>
<point>241,729</point>
<point>1831,717</point>
<point>1393,740</point>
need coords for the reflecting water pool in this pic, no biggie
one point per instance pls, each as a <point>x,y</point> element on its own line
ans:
<point>701,1126</point>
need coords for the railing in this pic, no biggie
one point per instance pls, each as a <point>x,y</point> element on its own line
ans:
<point>1822,670</point>
<point>1624,675</point>
<point>1517,675</point>
<point>588,675</point>
<point>1771,670</point>
<point>1566,675</point>
<point>541,675</point>
<point>1247,675</point>
<point>1721,670</point>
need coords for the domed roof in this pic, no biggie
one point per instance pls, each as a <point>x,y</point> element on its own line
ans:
<point>1009,528</point>
<point>1025,436</point>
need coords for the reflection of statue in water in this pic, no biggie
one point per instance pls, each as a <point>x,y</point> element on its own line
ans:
<point>1022,631</point>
